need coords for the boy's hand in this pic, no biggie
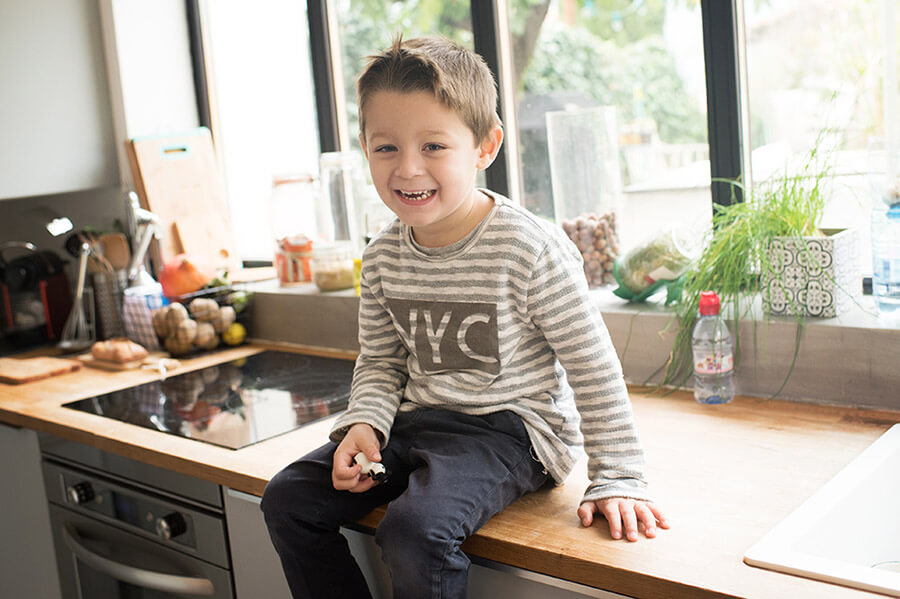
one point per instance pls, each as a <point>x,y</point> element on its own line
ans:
<point>346,475</point>
<point>620,511</point>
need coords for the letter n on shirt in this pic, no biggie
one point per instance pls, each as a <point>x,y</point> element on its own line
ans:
<point>450,335</point>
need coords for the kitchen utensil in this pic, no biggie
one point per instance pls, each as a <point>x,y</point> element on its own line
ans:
<point>24,370</point>
<point>108,287</point>
<point>178,179</point>
<point>148,230</point>
<point>77,333</point>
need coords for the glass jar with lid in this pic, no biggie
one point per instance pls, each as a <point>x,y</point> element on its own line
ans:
<point>332,266</point>
<point>292,212</point>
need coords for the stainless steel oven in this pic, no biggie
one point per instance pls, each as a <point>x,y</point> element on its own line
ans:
<point>124,529</point>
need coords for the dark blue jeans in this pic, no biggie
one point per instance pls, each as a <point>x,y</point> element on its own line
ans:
<point>450,473</point>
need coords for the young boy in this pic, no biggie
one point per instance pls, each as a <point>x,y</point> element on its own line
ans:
<point>475,328</point>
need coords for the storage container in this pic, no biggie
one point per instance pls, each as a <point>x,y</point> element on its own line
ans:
<point>332,266</point>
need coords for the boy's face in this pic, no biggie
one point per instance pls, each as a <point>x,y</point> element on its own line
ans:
<point>423,160</point>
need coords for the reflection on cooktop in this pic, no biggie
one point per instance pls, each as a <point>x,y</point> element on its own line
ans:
<point>234,404</point>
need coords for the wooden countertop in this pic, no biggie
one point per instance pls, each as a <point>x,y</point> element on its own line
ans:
<point>725,475</point>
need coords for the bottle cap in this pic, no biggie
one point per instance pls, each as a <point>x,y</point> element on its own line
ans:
<point>709,303</point>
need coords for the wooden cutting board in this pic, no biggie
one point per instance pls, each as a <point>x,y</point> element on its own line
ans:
<point>15,371</point>
<point>177,177</point>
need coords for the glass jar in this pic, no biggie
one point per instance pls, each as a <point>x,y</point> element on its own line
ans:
<point>293,206</point>
<point>332,266</point>
<point>341,192</point>
<point>587,187</point>
<point>293,259</point>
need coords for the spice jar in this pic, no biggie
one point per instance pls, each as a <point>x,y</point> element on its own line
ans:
<point>293,257</point>
<point>332,266</point>
<point>292,209</point>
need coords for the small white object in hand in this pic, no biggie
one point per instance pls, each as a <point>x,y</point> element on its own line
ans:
<point>373,469</point>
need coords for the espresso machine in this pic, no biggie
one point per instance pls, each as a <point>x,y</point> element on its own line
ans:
<point>35,297</point>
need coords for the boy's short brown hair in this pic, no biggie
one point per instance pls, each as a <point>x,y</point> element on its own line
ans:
<point>458,78</point>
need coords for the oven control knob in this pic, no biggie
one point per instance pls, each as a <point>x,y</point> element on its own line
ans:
<point>170,525</point>
<point>79,493</point>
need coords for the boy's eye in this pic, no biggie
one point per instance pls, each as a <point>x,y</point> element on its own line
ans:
<point>386,148</point>
<point>433,147</point>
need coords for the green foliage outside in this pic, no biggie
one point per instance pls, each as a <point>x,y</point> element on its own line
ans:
<point>639,79</point>
<point>631,69</point>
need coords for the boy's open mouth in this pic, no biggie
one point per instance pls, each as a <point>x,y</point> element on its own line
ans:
<point>415,196</point>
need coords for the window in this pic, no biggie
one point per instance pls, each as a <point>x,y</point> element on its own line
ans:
<point>362,29</point>
<point>263,115</point>
<point>365,27</point>
<point>657,78</point>
<point>611,111</point>
<point>815,79</point>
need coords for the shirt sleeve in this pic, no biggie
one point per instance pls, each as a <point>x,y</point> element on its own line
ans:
<point>561,307</point>
<point>381,372</point>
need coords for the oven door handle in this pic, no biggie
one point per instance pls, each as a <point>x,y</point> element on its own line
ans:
<point>149,579</point>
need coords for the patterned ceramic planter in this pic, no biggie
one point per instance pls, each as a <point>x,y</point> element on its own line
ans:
<point>815,276</point>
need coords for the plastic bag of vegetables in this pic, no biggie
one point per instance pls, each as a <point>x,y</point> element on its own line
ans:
<point>658,261</point>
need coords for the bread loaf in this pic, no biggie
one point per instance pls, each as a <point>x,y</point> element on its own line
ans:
<point>119,350</point>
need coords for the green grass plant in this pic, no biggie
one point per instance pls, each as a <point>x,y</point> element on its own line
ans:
<point>735,257</point>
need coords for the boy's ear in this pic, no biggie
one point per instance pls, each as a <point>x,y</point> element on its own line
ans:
<point>362,143</point>
<point>489,147</point>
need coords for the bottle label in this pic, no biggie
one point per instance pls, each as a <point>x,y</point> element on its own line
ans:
<point>713,363</point>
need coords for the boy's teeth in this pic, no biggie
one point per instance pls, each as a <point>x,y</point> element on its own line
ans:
<point>416,195</point>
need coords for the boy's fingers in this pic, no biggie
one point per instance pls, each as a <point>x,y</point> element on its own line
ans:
<point>342,484</point>
<point>624,516</point>
<point>373,454</point>
<point>647,518</point>
<point>586,513</point>
<point>659,515</point>
<point>344,474</point>
<point>614,518</point>
<point>362,486</point>
<point>629,519</point>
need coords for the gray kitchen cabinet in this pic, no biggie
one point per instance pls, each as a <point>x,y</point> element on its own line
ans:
<point>55,117</point>
<point>254,563</point>
<point>486,578</point>
<point>27,558</point>
<point>256,567</point>
<point>257,570</point>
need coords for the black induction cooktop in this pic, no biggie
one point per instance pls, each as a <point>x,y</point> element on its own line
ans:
<point>234,404</point>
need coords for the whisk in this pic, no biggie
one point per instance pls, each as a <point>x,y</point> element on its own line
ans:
<point>77,334</point>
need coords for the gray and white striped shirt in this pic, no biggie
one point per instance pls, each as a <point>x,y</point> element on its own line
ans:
<point>500,320</point>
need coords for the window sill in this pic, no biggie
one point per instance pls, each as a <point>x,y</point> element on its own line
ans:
<point>850,360</point>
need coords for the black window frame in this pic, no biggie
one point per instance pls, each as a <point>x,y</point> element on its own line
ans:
<point>721,57</point>
<point>720,29</point>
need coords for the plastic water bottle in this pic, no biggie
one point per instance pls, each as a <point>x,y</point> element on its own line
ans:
<point>886,259</point>
<point>713,359</point>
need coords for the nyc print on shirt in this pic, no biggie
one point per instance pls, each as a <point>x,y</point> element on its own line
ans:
<point>449,335</point>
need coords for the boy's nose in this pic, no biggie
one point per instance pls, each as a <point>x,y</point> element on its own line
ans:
<point>409,165</point>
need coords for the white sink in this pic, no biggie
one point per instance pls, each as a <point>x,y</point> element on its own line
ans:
<point>848,532</point>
